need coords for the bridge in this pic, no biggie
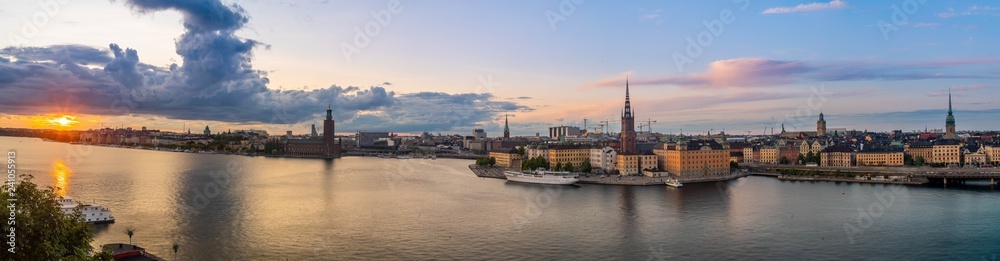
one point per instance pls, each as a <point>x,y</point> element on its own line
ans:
<point>942,174</point>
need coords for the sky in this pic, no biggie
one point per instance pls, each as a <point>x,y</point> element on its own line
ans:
<point>453,66</point>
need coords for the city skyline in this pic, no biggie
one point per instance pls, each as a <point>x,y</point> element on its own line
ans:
<point>247,65</point>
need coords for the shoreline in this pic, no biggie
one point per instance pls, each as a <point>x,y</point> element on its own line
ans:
<point>609,179</point>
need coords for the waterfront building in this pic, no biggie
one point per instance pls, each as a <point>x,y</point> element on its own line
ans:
<point>751,154</point>
<point>949,123</point>
<point>695,158</point>
<point>328,147</point>
<point>572,154</point>
<point>924,150</point>
<point>837,156</point>
<point>634,164</point>
<point>507,158</point>
<point>536,150</point>
<point>821,126</point>
<point>769,154</point>
<point>812,145</point>
<point>975,154</point>
<point>992,153</point>
<point>560,132</point>
<point>879,158</point>
<point>947,151</point>
<point>367,139</point>
<point>602,160</point>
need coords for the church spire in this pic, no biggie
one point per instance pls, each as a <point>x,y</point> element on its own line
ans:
<point>506,127</point>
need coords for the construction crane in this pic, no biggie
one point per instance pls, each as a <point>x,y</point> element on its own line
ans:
<point>585,124</point>
<point>607,125</point>
<point>599,127</point>
<point>649,125</point>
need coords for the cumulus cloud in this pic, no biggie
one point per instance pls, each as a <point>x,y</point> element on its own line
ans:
<point>762,72</point>
<point>216,81</point>
<point>811,7</point>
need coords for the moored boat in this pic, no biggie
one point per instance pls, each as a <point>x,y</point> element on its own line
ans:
<point>94,214</point>
<point>543,177</point>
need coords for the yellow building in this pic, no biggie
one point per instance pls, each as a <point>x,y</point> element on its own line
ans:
<point>568,154</point>
<point>992,153</point>
<point>769,154</point>
<point>696,158</point>
<point>879,158</point>
<point>837,156</point>
<point>630,164</point>
<point>947,151</point>
<point>507,158</point>
<point>920,149</point>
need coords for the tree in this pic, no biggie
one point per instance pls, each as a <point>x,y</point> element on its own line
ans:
<point>734,165</point>
<point>801,159</point>
<point>492,161</point>
<point>568,166</point>
<point>520,150</point>
<point>43,231</point>
<point>558,166</point>
<point>585,166</point>
<point>907,159</point>
<point>810,157</point>
<point>919,161</point>
<point>130,231</point>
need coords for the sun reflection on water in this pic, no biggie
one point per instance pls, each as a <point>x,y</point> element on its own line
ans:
<point>60,174</point>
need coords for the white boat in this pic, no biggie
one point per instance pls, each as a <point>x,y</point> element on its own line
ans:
<point>434,157</point>
<point>94,214</point>
<point>543,177</point>
<point>673,183</point>
<point>403,157</point>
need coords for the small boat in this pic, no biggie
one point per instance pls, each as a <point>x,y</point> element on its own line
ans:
<point>427,156</point>
<point>403,157</point>
<point>434,157</point>
<point>673,183</point>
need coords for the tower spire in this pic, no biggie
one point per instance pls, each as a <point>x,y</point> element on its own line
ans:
<point>506,127</point>
<point>949,101</point>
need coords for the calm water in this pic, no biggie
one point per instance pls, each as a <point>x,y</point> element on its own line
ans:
<point>219,207</point>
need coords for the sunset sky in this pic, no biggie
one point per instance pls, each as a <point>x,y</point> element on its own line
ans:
<point>451,66</point>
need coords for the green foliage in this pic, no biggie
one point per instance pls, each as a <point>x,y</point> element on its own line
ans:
<point>492,161</point>
<point>42,230</point>
<point>801,159</point>
<point>535,163</point>
<point>558,166</point>
<point>568,166</point>
<point>585,166</point>
<point>733,165</point>
<point>520,150</point>
<point>919,161</point>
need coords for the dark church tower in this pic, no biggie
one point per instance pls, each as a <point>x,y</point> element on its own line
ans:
<point>330,147</point>
<point>628,126</point>
<point>506,128</point>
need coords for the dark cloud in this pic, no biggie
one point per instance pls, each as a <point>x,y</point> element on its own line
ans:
<point>216,81</point>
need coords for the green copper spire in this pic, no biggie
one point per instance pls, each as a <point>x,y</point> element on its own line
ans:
<point>821,117</point>
<point>329,112</point>
<point>506,128</point>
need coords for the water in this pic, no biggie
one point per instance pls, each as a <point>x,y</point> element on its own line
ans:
<point>253,208</point>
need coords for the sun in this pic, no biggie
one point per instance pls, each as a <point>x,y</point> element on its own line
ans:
<point>64,121</point>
